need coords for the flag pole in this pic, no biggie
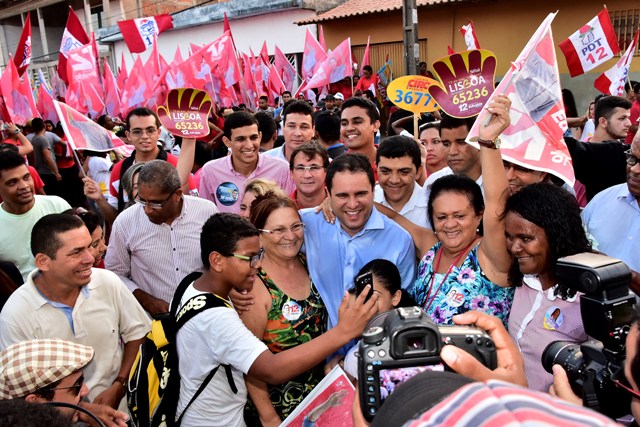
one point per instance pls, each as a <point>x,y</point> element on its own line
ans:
<point>75,154</point>
<point>515,71</point>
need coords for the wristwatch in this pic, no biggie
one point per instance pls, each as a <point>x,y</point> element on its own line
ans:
<point>495,144</point>
<point>17,131</point>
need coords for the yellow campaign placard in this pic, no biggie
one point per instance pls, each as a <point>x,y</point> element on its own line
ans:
<point>411,93</point>
<point>185,113</point>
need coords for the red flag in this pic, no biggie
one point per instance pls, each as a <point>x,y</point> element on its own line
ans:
<point>139,33</point>
<point>250,83</point>
<point>45,105</point>
<point>58,88</point>
<point>534,139</point>
<point>470,38</point>
<point>264,53</point>
<point>111,92</point>
<point>137,91</point>
<point>83,133</point>
<point>153,67</point>
<point>313,56</point>
<point>226,27</point>
<point>450,50</point>
<point>17,106</point>
<point>285,69</point>
<point>177,57</point>
<point>336,67</point>
<point>593,44</point>
<point>74,36</point>
<point>85,91</point>
<point>22,58</point>
<point>123,75</point>
<point>276,86</point>
<point>612,81</point>
<point>365,57</point>
<point>321,39</point>
<point>27,91</point>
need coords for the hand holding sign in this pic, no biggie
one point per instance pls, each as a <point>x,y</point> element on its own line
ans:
<point>185,113</point>
<point>467,82</point>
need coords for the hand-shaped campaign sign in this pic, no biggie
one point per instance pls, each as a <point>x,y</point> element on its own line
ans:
<point>467,82</point>
<point>411,93</point>
<point>185,113</point>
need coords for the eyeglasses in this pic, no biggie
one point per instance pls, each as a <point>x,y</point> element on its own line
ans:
<point>75,389</point>
<point>137,133</point>
<point>312,169</point>
<point>253,260</point>
<point>153,205</point>
<point>281,231</point>
<point>631,159</point>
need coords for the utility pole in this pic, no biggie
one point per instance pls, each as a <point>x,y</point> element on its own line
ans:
<point>410,31</point>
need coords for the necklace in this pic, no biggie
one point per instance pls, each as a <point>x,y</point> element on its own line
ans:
<point>429,300</point>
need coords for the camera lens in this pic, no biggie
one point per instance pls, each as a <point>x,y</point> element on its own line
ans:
<point>566,354</point>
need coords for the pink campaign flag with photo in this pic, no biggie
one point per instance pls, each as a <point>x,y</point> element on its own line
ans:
<point>285,69</point>
<point>312,57</point>
<point>85,92</point>
<point>111,91</point>
<point>83,133</point>
<point>45,106</point>
<point>612,81</point>
<point>534,139</point>
<point>336,67</point>
<point>593,44</point>
<point>22,58</point>
<point>18,108</point>
<point>74,36</point>
<point>139,34</point>
<point>470,38</point>
<point>137,91</point>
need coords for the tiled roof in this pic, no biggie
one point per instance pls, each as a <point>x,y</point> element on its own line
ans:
<point>364,7</point>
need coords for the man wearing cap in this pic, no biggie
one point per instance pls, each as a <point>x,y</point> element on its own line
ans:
<point>329,103</point>
<point>51,370</point>
<point>339,100</point>
<point>64,297</point>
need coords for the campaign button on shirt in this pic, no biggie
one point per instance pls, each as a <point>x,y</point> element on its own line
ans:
<point>227,193</point>
<point>455,297</point>
<point>553,318</point>
<point>291,310</point>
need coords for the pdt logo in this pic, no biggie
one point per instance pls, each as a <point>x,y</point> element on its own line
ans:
<point>291,310</point>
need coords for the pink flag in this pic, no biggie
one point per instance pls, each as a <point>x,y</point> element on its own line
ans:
<point>612,81</point>
<point>83,133</point>
<point>137,90</point>
<point>177,57</point>
<point>336,67</point>
<point>276,86</point>
<point>321,39</point>
<point>590,46</point>
<point>313,56</point>
<point>17,106</point>
<point>220,54</point>
<point>123,75</point>
<point>74,36</point>
<point>285,69</point>
<point>450,50</point>
<point>264,53</point>
<point>22,58</point>
<point>365,58</point>
<point>27,91</point>
<point>140,33</point>
<point>249,83</point>
<point>470,38</point>
<point>534,139</point>
<point>111,92</point>
<point>226,27</point>
<point>58,88</point>
<point>85,90</point>
<point>45,105</point>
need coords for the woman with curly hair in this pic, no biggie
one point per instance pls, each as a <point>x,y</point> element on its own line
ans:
<point>542,224</point>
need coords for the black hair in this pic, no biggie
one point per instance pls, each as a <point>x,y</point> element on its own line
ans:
<point>388,275</point>
<point>89,153</point>
<point>449,122</point>
<point>45,233</point>
<point>239,119</point>
<point>49,122</point>
<point>460,184</point>
<point>91,219</point>
<point>221,234</point>
<point>37,124</point>
<point>10,159</point>
<point>266,125</point>
<point>328,126</point>
<point>310,149</point>
<point>286,91</point>
<point>394,147</point>
<point>369,106</point>
<point>367,68</point>
<point>141,112</point>
<point>298,107</point>
<point>557,212</point>
<point>264,97</point>
<point>395,116</point>
<point>606,106</point>
<point>569,103</point>
<point>20,413</point>
<point>351,163</point>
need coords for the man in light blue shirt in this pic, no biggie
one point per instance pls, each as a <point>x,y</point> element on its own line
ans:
<point>613,217</point>
<point>336,252</point>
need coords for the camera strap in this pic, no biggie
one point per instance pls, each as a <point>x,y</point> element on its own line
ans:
<point>589,396</point>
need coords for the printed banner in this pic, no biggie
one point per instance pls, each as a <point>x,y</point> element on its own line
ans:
<point>411,93</point>
<point>185,113</point>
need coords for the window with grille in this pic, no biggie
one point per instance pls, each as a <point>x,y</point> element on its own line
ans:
<point>625,24</point>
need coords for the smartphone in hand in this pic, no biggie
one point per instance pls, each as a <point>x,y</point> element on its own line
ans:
<point>362,281</point>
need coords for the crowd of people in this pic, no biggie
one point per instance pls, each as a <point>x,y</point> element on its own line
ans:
<point>280,209</point>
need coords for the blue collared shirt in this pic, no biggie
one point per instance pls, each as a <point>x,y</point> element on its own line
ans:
<point>67,310</point>
<point>334,257</point>
<point>613,218</point>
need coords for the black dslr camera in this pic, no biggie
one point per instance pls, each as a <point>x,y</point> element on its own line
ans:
<point>405,344</point>
<point>607,309</point>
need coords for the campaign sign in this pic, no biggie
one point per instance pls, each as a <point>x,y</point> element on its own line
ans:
<point>411,93</point>
<point>185,113</point>
<point>467,82</point>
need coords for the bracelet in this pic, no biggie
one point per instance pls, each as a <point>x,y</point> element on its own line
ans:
<point>489,144</point>
<point>120,380</point>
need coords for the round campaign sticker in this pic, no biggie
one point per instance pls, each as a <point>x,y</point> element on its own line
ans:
<point>291,310</point>
<point>411,93</point>
<point>227,193</point>
<point>185,113</point>
<point>553,318</point>
<point>455,298</point>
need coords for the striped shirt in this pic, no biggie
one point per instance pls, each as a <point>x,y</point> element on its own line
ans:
<point>156,257</point>
<point>496,403</point>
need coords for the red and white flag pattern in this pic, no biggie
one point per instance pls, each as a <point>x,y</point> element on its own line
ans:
<point>83,133</point>
<point>470,38</point>
<point>612,81</point>
<point>17,99</point>
<point>74,36</point>
<point>139,34</point>
<point>365,58</point>
<point>22,58</point>
<point>336,67</point>
<point>534,139</point>
<point>285,69</point>
<point>593,44</point>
